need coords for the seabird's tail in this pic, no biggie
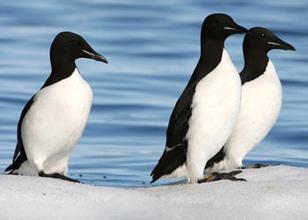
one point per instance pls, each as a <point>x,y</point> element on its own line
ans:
<point>169,162</point>
<point>17,161</point>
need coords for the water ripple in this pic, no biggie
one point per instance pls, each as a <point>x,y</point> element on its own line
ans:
<point>152,48</point>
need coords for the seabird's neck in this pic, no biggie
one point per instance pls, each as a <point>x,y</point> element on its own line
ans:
<point>255,64</point>
<point>210,57</point>
<point>211,49</point>
<point>61,68</point>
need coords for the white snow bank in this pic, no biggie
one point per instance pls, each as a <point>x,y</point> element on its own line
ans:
<point>278,192</point>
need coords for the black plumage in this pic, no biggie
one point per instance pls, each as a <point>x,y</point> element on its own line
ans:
<point>213,35</point>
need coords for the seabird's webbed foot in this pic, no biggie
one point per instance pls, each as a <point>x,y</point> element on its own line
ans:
<point>222,176</point>
<point>58,176</point>
<point>256,166</point>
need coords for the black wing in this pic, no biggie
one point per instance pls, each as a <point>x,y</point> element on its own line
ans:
<point>20,154</point>
<point>176,145</point>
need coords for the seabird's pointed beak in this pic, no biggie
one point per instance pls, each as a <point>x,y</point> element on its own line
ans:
<point>96,56</point>
<point>277,43</point>
<point>235,28</point>
<point>241,29</point>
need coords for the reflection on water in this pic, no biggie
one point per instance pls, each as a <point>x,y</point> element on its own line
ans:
<point>152,48</point>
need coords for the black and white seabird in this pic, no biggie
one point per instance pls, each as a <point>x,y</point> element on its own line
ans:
<point>53,120</point>
<point>260,103</point>
<point>206,111</point>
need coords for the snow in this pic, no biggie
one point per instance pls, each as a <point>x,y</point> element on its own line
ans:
<point>277,192</point>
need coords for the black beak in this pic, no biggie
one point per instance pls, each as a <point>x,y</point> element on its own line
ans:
<point>95,56</point>
<point>277,43</point>
<point>235,28</point>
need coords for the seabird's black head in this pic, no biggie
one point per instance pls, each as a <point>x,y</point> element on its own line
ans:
<point>64,50</point>
<point>257,43</point>
<point>216,28</point>
<point>220,26</point>
<point>70,46</point>
<point>262,39</point>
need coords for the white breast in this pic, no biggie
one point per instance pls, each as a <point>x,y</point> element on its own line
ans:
<point>215,108</point>
<point>55,122</point>
<point>260,107</point>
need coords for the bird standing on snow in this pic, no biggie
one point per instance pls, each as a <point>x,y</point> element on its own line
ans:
<point>53,120</point>
<point>260,103</point>
<point>205,113</point>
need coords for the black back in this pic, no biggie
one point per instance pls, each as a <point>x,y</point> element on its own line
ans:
<point>213,36</point>
<point>64,50</point>
<point>257,43</point>
<point>20,155</point>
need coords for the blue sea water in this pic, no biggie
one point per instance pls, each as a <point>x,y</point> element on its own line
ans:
<point>152,47</point>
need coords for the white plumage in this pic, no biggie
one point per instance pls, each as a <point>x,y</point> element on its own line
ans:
<point>215,107</point>
<point>260,106</point>
<point>54,123</point>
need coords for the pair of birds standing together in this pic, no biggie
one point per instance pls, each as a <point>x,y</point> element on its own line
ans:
<point>222,115</point>
<point>218,118</point>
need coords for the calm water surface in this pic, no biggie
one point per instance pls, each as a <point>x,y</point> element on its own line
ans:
<point>152,47</point>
